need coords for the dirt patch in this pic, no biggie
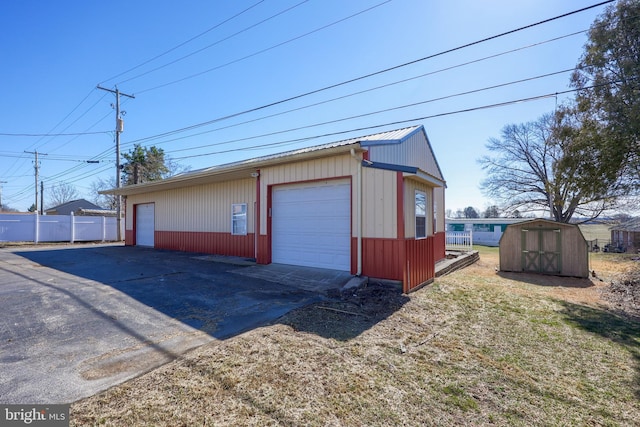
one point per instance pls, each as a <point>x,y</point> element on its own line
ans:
<point>349,313</point>
<point>624,293</point>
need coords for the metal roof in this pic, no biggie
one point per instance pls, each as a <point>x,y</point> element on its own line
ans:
<point>390,136</point>
<point>235,170</point>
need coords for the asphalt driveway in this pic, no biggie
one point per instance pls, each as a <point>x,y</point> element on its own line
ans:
<point>77,320</point>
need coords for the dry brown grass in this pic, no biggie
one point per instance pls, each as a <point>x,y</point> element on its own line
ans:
<point>475,348</point>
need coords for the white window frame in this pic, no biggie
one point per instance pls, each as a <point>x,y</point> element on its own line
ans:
<point>239,219</point>
<point>420,215</point>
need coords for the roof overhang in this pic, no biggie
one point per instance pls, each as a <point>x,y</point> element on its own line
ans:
<point>407,171</point>
<point>231,171</point>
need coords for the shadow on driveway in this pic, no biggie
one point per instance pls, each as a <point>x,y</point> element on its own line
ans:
<point>77,320</point>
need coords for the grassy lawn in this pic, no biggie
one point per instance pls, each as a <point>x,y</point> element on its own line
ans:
<point>475,348</point>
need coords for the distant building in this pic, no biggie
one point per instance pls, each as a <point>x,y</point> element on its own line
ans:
<point>625,237</point>
<point>486,231</point>
<point>73,206</point>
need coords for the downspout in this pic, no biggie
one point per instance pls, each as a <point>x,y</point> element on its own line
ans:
<point>358,213</point>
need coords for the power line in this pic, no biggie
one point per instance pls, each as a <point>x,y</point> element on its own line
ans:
<point>395,67</point>
<point>358,116</point>
<point>215,43</point>
<point>354,93</point>
<point>182,44</point>
<point>394,123</point>
<point>333,86</point>
<point>33,135</point>
<point>265,50</point>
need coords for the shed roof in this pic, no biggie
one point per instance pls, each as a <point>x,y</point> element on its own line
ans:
<point>244,168</point>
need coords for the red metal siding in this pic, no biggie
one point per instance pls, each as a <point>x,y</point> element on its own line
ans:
<point>439,245</point>
<point>409,261</point>
<point>264,250</point>
<point>382,258</point>
<point>129,238</point>
<point>206,242</point>
<point>419,263</point>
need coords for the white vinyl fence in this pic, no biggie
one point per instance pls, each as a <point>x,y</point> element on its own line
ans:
<point>57,228</point>
<point>459,240</point>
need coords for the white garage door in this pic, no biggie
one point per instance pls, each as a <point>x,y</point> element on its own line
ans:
<point>145,224</point>
<point>311,225</point>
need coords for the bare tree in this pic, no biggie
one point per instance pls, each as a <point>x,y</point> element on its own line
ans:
<point>105,201</point>
<point>62,193</point>
<point>547,165</point>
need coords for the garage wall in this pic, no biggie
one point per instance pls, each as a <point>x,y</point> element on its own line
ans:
<point>329,167</point>
<point>379,195</point>
<point>198,208</point>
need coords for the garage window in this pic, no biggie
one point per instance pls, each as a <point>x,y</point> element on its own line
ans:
<point>421,215</point>
<point>239,219</point>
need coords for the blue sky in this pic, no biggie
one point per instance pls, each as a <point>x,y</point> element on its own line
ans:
<point>214,59</point>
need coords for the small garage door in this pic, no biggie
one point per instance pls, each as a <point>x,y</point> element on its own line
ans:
<point>311,225</point>
<point>145,224</point>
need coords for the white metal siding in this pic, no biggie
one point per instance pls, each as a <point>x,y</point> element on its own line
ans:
<point>329,167</point>
<point>145,224</point>
<point>414,151</point>
<point>311,224</point>
<point>205,207</point>
<point>379,203</point>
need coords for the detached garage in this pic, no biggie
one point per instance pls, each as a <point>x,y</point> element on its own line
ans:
<point>545,247</point>
<point>372,206</point>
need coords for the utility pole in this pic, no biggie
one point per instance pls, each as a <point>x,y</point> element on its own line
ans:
<point>1,182</point>
<point>41,197</point>
<point>119,129</point>
<point>37,170</point>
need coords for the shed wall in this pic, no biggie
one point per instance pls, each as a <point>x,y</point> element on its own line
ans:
<point>574,250</point>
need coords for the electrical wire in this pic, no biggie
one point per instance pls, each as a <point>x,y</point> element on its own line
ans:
<point>358,116</point>
<point>333,86</point>
<point>394,123</point>
<point>181,44</point>
<point>389,69</point>
<point>213,44</point>
<point>131,143</point>
<point>259,52</point>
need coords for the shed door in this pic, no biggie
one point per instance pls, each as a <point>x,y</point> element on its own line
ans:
<point>541,249</point>
<point>145,224</point>
<point>311,224</point>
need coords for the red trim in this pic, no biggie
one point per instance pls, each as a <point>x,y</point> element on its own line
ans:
<point>400,205</point>
<point>129,238</point>
<point>135,224</point>
<point>256,226</point>
<point>365,155</point>
<point>439,246</point>
<point>267,254</point>
<point>206,242</point>
<point>269,241</point>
